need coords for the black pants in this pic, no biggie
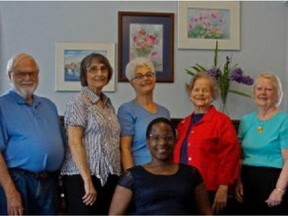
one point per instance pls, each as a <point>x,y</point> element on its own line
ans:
<point>73,187</point>
<point>258,183</point>
<point>233,207</point>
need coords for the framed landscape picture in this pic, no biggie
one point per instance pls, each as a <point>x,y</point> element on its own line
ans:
<point>68,59</point>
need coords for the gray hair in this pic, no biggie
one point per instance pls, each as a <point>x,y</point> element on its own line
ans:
<point>15,59</point>
<point>275,81</point>
<point>138,62</point>
<point>214,86</point>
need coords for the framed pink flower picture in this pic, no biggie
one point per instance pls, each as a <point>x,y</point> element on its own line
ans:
<point>149,35</point>
<point>201,23</point>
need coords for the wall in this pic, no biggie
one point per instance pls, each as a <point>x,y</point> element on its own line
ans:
<point>35,27</point>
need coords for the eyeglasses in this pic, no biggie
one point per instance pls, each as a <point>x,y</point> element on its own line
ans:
<point>141,76</point>
<point>22,75</point>
<point>94,69</point>
<point>157,138</point>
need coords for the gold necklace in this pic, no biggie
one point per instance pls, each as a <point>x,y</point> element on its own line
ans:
<point>260,129</point>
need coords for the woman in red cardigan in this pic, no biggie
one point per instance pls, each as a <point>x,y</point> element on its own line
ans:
<point>208,141</point>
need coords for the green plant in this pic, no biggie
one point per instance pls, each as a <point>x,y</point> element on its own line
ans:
<point>223,77</point>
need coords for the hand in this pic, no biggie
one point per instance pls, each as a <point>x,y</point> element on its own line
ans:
<point>220,200</point>
<point>239,191</point>
<point>275,198</point>
<point>90,193</point>
<point>14,204</point>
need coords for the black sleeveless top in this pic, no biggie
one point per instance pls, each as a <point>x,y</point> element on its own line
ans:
<point>162,194</point>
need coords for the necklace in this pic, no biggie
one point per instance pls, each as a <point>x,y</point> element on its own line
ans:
<point>260,124</point>
<point>265,116</point>
<point>260,129</point>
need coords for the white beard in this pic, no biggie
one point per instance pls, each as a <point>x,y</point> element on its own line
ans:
<point>22,92</point>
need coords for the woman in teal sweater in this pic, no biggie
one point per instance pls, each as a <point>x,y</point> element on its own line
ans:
<point>264,138</point>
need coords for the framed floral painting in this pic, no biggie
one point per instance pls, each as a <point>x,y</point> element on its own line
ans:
<point>149,35</point>
<point>201,23</point>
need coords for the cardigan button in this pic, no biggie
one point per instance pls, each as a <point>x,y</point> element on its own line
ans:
<point>190,158</point>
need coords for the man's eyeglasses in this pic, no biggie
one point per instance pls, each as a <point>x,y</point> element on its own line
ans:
<point>142,76</point>
<point>157,138</point>
<point>22,75</point>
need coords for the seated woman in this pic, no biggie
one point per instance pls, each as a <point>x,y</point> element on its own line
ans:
<point>161,186</point>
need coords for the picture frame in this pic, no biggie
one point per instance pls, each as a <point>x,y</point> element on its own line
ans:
<point>68,59</point>
<point>134,30</point>
<point>201,23</point>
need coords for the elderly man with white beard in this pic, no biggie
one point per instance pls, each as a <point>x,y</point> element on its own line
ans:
<point>31,143</point>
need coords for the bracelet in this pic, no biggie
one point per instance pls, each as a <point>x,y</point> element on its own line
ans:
<point>280,190</point>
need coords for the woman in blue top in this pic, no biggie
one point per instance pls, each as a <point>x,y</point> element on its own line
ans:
<point>135,115</point>
<point>161,187</point>
<point>264,138</point>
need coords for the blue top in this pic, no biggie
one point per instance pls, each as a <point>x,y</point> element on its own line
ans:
<point>262,141</point>
<point>134,120</point>
<point>162,194</point>
<point>184,153</point>
<point>30,135</point>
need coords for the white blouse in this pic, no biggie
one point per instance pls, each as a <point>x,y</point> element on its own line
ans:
<point>101,135</point>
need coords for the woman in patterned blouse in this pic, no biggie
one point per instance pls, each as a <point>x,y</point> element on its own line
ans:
<point>92,164</point>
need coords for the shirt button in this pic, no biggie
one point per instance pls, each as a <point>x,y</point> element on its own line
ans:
<point>190,158</point>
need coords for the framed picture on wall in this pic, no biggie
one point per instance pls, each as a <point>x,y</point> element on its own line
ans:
<point>149,35</point>
<point>68,59</point>
<point>201,23</point>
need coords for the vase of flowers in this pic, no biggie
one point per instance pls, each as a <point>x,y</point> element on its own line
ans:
<point>224,77</point>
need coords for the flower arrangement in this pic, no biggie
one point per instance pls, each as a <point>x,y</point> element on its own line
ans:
<point>144,42</point>
<point>224,77</point>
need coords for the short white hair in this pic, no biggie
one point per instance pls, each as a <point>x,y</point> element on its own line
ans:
<point>275,82</point>
<point>137,62</point>
<point>15,59</point>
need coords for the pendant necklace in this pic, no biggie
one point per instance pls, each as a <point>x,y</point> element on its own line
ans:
<point>260,124</point>
<point>260,129</point>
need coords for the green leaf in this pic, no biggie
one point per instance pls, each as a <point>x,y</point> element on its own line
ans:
<point>239,93</point>
<point>201,67</point>
<point>216,55</point>
<point>190,73</point>
<point>196,69</point>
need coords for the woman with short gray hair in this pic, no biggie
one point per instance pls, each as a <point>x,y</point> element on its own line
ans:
<point>135,115</point>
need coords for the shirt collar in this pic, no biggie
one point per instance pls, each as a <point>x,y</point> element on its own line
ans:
<point>20,100</point>
<point>209,114</point>
<point>94,98</point>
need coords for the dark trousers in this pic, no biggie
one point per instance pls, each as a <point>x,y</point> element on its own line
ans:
<point>258,183</point>
<point>39,194</point>
<point>232,207</point>
<point>73,187</point>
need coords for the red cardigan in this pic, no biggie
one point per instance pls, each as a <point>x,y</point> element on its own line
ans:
<point>213,148</point>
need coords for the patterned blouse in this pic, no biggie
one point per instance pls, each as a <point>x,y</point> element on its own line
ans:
<point>101,132</point>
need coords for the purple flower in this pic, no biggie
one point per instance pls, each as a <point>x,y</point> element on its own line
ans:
<point>237,75</point>
<point>214,72</point>
<point>247,80</point>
